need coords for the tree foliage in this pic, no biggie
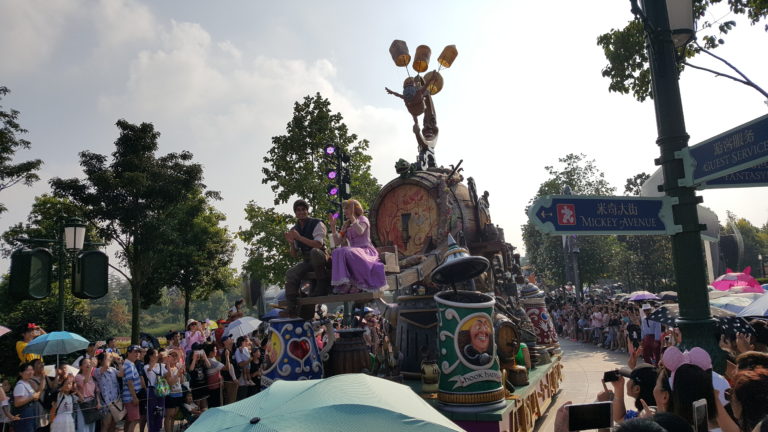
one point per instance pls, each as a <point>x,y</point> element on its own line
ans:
<point>754,243</point>
<point>545,252</point>
<point>624,48</point>
<point>129,200</point>
<point>14,173</point>
<point>294,164</point>
<point>199,252</point>
<point>268,253</point>
<point>295,167</point>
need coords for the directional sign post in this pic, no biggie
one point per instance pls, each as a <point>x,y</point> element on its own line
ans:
<point>737,149</point>
<point>603,215</point>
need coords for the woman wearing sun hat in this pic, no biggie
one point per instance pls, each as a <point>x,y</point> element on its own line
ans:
<point>193,335</point>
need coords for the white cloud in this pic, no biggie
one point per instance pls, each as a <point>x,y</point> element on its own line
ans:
<point>30,31</point>
<point>122,21</point>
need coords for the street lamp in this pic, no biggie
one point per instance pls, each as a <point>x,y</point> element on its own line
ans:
<point>666,33</point>
<point>762,267</point>
<point>74,234</point>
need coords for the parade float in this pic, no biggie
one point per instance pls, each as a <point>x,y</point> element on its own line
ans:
<point>457,308</point>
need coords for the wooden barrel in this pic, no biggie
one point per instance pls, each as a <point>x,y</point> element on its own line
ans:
<point>416,332</point>
<point>416,213</point>
<point>507,339</point>
<point>349,353</point>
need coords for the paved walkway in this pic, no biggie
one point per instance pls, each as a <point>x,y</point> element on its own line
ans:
<point>584,365</point>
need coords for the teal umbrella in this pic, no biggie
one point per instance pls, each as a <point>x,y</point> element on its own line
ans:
<point>349,402</point>
<point>54,343</point>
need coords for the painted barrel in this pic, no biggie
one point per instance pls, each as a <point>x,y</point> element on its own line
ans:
<point>291,353</point>
<point>470,378</point>
<point>417,213</point>
<point>539,315</point>
<point>416,333</point>
<point>349,353</point>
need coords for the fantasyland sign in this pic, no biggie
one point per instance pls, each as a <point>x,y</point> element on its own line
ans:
<point>603,215</point>
<point>742,147</point>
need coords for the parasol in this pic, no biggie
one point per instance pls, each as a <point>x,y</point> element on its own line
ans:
<point>54,343</point>
<point>343,403</point>
<point>642,295</point>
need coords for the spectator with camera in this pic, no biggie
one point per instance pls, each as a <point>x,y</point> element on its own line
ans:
<point>106,378</point>
<point>640,383</point>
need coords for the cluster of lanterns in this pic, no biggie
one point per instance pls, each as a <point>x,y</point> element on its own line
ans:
<point>402,57</point>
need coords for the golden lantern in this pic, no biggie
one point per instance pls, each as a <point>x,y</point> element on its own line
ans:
<point>399,52</point>
<point>421,59</point>
<point>448,56</point>
<point>436,83</point>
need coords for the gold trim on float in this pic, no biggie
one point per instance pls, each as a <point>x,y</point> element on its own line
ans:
<point>472,398</point>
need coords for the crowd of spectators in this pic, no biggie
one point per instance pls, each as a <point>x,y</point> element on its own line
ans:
<point>665,381</point>
<point>147,387</point>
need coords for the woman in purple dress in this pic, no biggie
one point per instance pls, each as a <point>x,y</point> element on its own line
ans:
<point>356,264</point>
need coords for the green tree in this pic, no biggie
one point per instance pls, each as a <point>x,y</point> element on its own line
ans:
<point>200,252</point>
<point>754,244</point>
<point>10,173</point>
<point>129,201</point>
<point>625,51</point>
<point>294,165</point>
<point>267,251</point>
<point>545,252</point>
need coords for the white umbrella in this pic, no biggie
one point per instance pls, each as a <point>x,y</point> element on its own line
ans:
<point>50,370</point>
<point>242,327</point>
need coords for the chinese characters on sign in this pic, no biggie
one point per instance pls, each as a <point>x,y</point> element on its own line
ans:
<point>732,151</point>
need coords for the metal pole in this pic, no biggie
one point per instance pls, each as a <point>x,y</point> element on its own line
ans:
<point>695,321</point>
<point>61,284</point>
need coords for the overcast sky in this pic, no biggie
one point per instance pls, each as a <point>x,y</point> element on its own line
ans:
<point>220,78</point>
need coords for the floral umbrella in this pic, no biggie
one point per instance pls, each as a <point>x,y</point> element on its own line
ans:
<point>743,279</point>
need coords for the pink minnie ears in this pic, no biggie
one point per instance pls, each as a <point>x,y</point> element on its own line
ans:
<point>673,358</point>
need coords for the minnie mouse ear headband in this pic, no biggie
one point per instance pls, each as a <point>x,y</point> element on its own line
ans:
<point>673,358</point>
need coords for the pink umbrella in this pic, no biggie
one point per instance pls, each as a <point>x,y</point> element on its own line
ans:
<point>743,280</point>
<point>4,330</point>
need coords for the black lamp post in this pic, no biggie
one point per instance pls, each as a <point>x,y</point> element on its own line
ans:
<point>669,26</point>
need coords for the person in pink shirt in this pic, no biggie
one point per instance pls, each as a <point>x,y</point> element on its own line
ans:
<point>193,335</point>
<point>86,389</point>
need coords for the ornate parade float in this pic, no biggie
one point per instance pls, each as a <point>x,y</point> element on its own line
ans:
<point>457,309</point>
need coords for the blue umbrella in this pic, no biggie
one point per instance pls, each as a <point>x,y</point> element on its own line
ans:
<point>343,403</point>
<point>56,343</point>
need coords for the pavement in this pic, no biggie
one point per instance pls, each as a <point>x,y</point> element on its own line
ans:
<point>583,368</point>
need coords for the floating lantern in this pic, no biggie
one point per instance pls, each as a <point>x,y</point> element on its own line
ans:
<point>436,83</point>
<point>399,52</point>
<point>421,59</point>
<point>448,56</point>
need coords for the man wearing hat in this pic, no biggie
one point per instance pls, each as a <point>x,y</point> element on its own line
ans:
<point>650,331</point>
<point>131,388</point>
